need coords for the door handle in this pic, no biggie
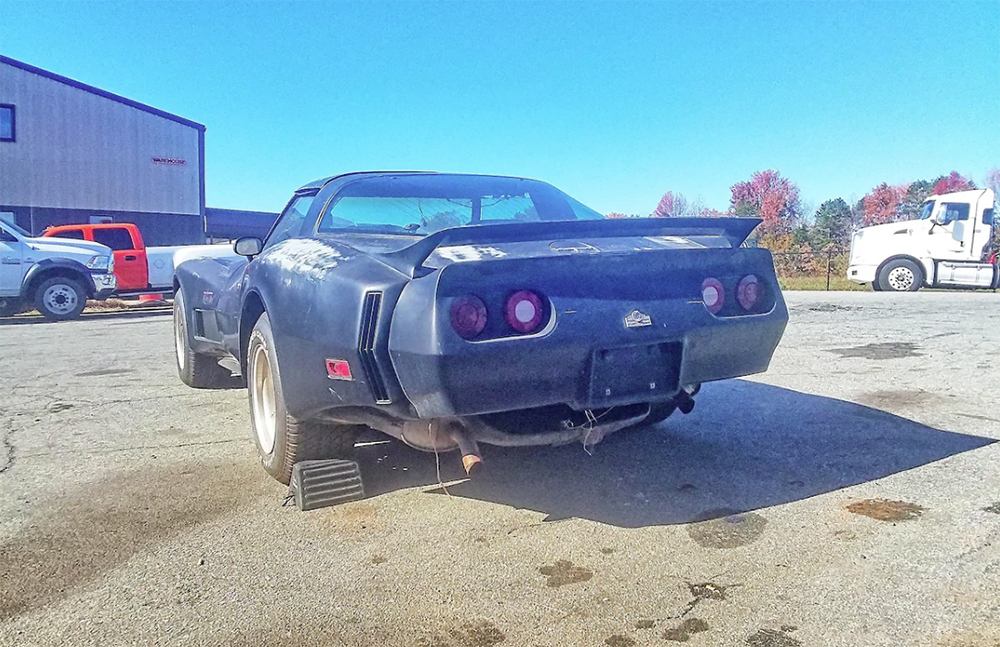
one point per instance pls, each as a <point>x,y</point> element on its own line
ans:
<point>130,257</point>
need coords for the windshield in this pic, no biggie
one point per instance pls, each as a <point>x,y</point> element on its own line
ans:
<point>925,213</point>
<point>12,227</point>
<point>423,204</point>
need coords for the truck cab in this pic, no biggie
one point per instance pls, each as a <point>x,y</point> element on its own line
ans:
<point>138,268</point>
<point>949,245</point>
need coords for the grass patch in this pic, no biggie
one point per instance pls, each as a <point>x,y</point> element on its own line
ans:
<point>837,283</point>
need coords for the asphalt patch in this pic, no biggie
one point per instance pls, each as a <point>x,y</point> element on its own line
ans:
<point>898,398</point>
<point>880,351</point>
<point>885,510</point>
<point>106,371</point>
<point>995,508</point>
<point>730,529</point>
<point>564,572</point>
<point>618,640</point>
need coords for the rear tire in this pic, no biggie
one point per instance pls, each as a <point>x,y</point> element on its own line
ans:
<point>900,275</point>
<point>283,440</point>
<point>60,298</point>
<point>196,370</point>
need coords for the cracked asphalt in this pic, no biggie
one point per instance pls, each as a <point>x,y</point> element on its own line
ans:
<point>848,496</point>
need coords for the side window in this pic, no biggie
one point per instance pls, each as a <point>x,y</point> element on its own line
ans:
<point>289,224</point>
<point>118,239</point>
<point>71,233</point>
<point>956,211</point>
<point>988,217</point>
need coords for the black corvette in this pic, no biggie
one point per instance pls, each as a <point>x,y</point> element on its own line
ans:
<point>446,310</point>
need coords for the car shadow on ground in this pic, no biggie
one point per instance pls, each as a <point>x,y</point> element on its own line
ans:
<point>746,446</point>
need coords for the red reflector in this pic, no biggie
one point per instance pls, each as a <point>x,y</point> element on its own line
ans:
<point>468,316</point>
<point>338,369</point>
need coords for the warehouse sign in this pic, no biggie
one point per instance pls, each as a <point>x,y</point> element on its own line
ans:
<point>169,161</point>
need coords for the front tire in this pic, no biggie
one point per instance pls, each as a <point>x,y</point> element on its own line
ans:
<point>196,370</point>
<point>60,298</point>
<point>283,440</point>
<point>900,275</point>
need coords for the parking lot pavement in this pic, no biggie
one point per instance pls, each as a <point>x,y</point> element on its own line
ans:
<point>849,496</point>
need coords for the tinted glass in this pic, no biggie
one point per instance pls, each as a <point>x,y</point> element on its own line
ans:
<point>71,233</point>
<point>988,217</point>
<point>928,208</point>
<point>289,223</point>
<point>6,123</point>
<point>117,239</point>
<point>428,203</point>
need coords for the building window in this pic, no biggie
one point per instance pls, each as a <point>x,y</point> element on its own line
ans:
<point>7,129</point>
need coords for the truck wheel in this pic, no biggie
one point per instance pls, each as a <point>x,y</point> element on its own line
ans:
<point>283,440</point>
<point>60,298</point>
<point>901,275</point>
<point>195,370</point>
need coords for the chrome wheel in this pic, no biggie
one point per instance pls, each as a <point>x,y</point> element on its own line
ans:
<point>61,298</point>
<point>901,279</point>
<point>262,399</point>
<point>180,331</point>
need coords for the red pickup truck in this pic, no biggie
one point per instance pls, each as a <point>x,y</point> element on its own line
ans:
<point>138,268</point>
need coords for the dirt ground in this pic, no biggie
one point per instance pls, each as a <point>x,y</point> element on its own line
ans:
<point>849,496</point>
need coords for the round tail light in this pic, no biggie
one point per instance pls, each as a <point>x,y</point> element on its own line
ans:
<point>468,316</point>
<point>748,291</point>
<point>713,295</point>
<point>523,311</point>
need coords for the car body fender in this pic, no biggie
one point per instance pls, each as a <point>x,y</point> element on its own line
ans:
<point>320,295</point>
<point>67,265</point>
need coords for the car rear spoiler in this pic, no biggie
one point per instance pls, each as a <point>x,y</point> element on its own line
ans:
<point>410,259</point>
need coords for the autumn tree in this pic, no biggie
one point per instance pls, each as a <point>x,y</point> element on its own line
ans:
<point>880,205</point>
<point>671,205</point>
<point>768,196</point>
<point>953,182</point>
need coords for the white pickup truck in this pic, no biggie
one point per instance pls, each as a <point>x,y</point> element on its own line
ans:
<point>56,275</point>
<point>950,245</point>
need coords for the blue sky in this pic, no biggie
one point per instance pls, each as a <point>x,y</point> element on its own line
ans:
<point>614,103</point>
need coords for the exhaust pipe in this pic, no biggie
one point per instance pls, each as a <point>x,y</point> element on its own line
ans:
<point>685,399</point>
<point>471,460</point>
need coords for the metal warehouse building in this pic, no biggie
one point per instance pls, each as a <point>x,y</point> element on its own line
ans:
<point>71,153</point>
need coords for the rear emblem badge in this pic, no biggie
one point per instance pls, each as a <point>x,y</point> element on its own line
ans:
<point>636,319</point>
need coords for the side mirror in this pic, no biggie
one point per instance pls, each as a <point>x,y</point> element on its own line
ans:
<point>248,246</point>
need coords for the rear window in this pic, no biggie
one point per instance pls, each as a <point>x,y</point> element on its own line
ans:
<point>420,205</point>
<point>117,239</point>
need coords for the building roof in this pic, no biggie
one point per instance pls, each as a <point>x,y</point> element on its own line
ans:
<point>101,93</point>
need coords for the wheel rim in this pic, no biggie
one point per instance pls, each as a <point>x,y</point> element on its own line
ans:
<point>60,298</point>
<point>901,279</point>
<point>180,331</point>
<point>262,398</point>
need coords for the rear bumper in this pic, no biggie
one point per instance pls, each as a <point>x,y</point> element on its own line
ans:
<point>589,359</point>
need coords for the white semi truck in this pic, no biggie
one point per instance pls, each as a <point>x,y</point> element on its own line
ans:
<point>949,245</point>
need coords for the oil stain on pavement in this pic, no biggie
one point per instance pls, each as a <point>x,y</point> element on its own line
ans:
<point>885,510</point>
<point>481,633</point>
<point>619,640</point>
<point>565,572</point>
<point>105,523</point>
<point>773,638</point>
<point>683,632</point>
<point>880,351</point>
<point>727,529</point>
